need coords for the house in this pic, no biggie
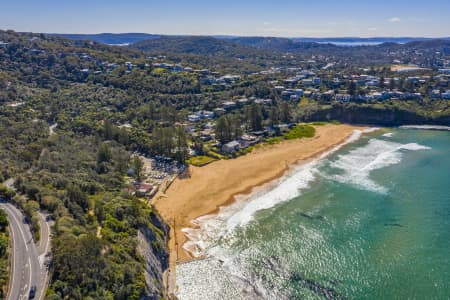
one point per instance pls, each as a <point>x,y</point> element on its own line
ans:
<point>328,95</point>
<point>206,135</point>
<point>263,101</point>
<point>343,97</point>
<point>177,68</point>
<point>229,105</point>
<point>373,82</point>
<point>298,92</point>
<point>307,82</point>
<point>307,93</point>
<point>208,114</point>
<point>242,101</point>
<point>189,128</point>
<point>231,147</point>
<point>287,94</point>
<point>219,111</point>
<point>194,118</point>
<point>436,94</point>
<point>143,189</point>
<point>230,78</point>
<point>378,96</point>
<point>204,114</point>
<point>248,137</point>
<point>247,140</point>
<point>261,133</point>
<point>446,95</point>
<point>281,128</point>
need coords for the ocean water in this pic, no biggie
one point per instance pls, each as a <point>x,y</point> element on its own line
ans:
<point>369,221</point>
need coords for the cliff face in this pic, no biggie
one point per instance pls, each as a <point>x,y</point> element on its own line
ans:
<point>153,248</point>
<point>374,116</point>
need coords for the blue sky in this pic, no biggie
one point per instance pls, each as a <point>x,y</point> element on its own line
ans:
<point>311,18</point>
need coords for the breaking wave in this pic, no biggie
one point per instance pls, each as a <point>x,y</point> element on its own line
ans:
<point>357,165</point>
<point>426,127</point>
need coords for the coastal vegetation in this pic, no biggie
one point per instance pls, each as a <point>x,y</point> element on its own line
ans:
<point>4,251</point>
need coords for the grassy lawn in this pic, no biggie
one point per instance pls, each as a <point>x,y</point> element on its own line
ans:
<point>200,161</point>
<point>300,131</point>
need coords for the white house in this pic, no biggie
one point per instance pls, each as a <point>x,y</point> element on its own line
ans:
<point>194,118</point>
<point>231,147</point>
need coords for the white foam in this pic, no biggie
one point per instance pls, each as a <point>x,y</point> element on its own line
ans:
<point>208,279</point>
<point>357,165</point>
<point>426,127</point>
<point>388,135</point>
<point>286,189</point>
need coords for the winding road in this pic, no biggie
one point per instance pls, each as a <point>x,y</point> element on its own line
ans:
<point>29,261</point>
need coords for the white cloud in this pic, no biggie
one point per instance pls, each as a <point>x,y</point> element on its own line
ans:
<point>372,29</point>
<point>394,20</point>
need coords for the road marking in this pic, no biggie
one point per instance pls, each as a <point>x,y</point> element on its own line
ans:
<point>20,228</point>
<point>12,214</point>
<point>29,287</point>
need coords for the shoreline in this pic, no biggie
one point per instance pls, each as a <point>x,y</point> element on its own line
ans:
<point>204,192</point>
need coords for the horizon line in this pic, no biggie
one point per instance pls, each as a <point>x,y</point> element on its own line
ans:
<point>237,35</point>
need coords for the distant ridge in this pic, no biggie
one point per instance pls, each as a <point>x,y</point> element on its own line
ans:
<point>111,38</point>
<point>130,38</point>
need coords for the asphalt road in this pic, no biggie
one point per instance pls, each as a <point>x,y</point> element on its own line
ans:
<point>29,262</point>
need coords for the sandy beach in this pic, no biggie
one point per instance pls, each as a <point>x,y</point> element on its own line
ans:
<point>216,184</point>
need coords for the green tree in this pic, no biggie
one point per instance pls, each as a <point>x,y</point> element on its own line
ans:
<point>138,166</point>
<point>181,150</point>
<point>104,153</point>
<point>392,84</point>
<point>108,130</point>
<point>74,195</point>
<point>255,117</point>
<point>273,116</point>
<point>223,131</point>
<point>284,113</point>
<point>381,84</point>
<point>352,88</point>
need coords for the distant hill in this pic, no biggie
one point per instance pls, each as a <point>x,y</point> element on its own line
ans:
<point>240,47</point>
<point>112,38</point>
<point>280,44</point>
<point>130,38</point>
<point>356,40</point>
<point>246,46</point>
<point>200,45</point>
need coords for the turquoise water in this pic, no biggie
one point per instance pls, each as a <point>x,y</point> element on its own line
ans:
<point>370,221</point>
